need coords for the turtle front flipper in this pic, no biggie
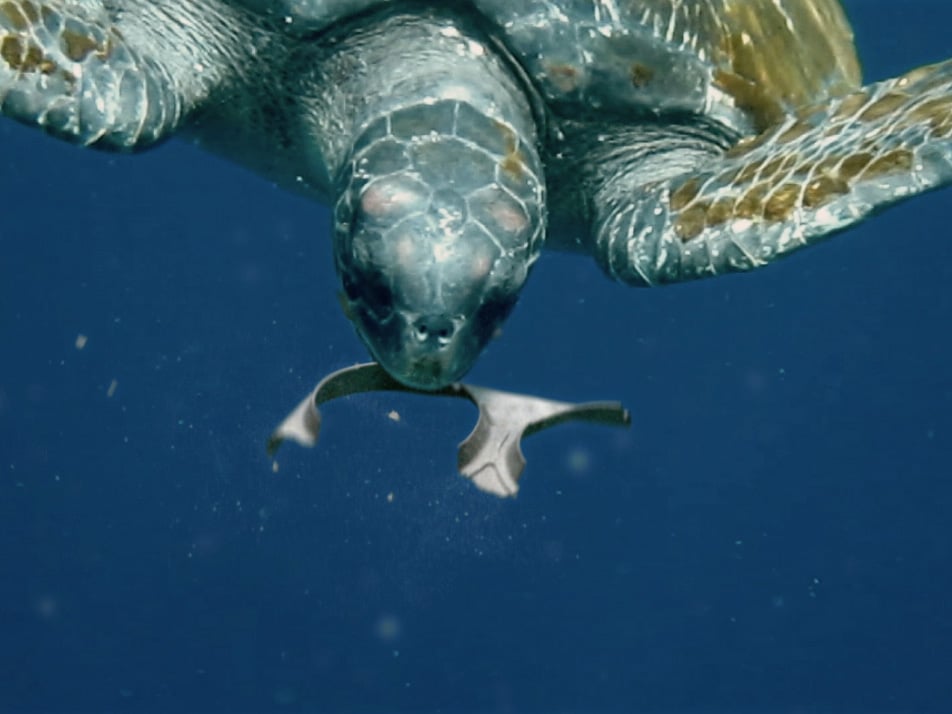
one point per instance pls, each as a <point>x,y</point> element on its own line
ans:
<point>120,78</point>
<point>818,172</point>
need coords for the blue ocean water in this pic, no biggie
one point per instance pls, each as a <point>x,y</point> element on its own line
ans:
<point>772,533</point>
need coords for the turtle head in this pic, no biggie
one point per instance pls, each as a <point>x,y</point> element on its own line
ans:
<point>432,256</point>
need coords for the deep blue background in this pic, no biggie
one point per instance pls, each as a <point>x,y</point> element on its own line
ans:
<point>774,532</point>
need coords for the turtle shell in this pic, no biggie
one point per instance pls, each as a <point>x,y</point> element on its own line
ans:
<point>746,63</point>
<point>302,16</point>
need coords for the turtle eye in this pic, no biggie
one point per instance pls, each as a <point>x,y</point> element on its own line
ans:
<point>376,295</point>
<point>349,285</point>
<point>368,288</point>
<point>495,308</point>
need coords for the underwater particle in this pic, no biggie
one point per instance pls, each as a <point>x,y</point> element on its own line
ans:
<point>81,341</point>
<point>388,627</point>
<point>393,415</point>
<point>274,467</point>
<point>46,607</point>
<point>578,461</point>
<point>390,497</point>
<point>113,385</point>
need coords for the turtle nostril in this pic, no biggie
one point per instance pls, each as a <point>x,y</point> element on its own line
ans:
<point>434,329</point>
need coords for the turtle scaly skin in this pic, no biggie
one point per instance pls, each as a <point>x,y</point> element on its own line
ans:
<point>668,139</point>
<point>783,190</point>
<point>77,71</point>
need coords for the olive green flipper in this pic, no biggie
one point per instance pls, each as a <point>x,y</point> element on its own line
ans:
<point>820,171</point>
<point>94,77</point>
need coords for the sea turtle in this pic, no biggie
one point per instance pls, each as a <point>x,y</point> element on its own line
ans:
<point>668,139</point>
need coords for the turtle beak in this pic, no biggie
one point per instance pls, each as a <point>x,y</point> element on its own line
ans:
<point>433,348</point>
<point>425,352</point>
